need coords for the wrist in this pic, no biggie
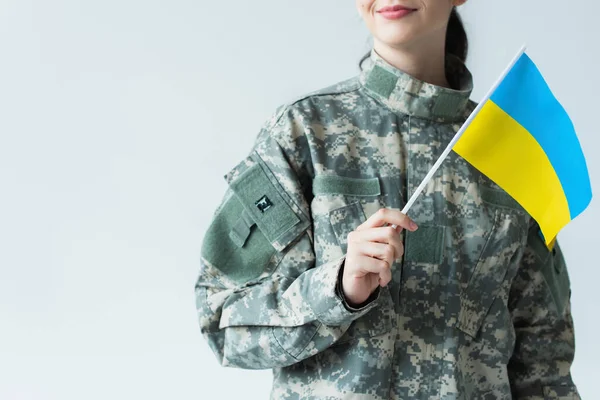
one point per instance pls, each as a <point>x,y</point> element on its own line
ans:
<point>349,303</point>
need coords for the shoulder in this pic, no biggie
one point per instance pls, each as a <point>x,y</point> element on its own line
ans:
<point>307,107</point>
<point>336,91</point>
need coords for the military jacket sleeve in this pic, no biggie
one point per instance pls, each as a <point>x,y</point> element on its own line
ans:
<point>261,300</point>
<point>540,308</point>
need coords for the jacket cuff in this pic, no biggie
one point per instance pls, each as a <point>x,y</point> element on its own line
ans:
<point>326,298</point>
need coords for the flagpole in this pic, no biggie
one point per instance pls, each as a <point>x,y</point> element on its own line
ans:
<point>464,127</point>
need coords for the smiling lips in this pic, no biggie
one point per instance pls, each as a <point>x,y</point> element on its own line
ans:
<point>395,12</point>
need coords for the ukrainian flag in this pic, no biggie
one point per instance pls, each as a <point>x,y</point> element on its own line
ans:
<point>525,142</point>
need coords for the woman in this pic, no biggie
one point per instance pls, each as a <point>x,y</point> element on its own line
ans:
<point>302,273</point>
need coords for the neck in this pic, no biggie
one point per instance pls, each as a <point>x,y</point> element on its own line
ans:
<point>425,61</point>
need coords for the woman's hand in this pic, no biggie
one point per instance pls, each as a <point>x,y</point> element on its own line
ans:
<point>372,248</point>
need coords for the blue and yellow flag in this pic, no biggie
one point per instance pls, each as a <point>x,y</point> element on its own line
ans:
<point>524,141</point>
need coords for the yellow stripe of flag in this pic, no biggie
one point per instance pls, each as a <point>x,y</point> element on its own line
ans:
<point>514,160</point>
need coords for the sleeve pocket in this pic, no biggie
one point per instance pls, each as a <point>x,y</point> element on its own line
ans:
<point>256,220</point>
<point>240,260</point>
<point>266,206</point>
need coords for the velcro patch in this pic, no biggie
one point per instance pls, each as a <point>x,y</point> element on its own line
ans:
<point>263,202</point>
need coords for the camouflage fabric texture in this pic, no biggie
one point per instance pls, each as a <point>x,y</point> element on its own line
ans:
<point>478,307</point>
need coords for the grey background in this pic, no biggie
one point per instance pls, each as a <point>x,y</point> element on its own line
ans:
<point>118,121</point>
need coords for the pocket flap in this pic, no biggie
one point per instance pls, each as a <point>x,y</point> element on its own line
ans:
<point>499,198</point>
<point>344,220</point>
<point>266,203</point>
<point>335,184</point>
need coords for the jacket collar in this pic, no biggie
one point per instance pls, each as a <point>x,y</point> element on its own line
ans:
<point>406,94</point>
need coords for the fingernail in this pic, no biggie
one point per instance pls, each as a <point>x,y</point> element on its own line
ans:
<point>413,226</point>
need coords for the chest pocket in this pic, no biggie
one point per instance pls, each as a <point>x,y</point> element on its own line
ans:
<point>503,244</point>
<point>353,200</point>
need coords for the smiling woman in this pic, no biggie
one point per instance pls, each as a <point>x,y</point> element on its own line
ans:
<point>302,274</point>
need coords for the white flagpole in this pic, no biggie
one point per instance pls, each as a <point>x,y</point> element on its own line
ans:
<point>437,164</point>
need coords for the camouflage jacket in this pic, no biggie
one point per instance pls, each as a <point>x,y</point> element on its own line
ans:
<point>478,307</point>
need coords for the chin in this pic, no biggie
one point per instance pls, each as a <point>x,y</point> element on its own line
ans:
<point>396,37</point>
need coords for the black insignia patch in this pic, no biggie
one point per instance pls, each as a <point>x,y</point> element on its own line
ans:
<point>263,204</point>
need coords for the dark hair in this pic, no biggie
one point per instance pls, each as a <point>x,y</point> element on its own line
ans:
<point>456,37</point>
<point>457,43</point>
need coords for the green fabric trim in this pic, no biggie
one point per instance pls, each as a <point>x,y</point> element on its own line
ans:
<point>447,105</point>
<point>381,81</point>
<point>241,230</point>
<point>335,184</point>
<point>239,264</point>
<point>425,245</point>
<point>277,219</point>
<point>499,198</point>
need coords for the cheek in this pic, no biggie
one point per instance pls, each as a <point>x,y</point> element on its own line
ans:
<point>436,13</point>
<point>365,6</point>
<point>366,9</point>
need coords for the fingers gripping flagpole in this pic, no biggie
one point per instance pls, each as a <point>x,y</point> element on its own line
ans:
<point>462,130</point>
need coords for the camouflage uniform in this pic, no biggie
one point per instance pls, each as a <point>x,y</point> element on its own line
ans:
<point>478,307</point>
